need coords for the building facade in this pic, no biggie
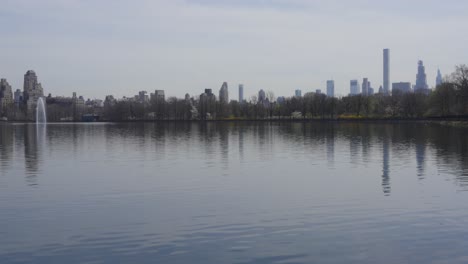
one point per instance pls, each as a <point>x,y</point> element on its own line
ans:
<point>241,93</point>
<point>6,97</point>
<point>261,95</point>
<point>386,71</point>
<point>298,93</point>
<point>354,87</point>
<point>421,79</point>
<point>331,88</point>
<point>224,93</point>
<point>438,78</point>
<point>365,87</point>
<point>404,87</point>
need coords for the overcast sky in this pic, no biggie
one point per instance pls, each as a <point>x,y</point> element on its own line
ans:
<point>100,47</point>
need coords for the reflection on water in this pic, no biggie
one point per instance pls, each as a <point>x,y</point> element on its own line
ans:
<point>233,193</point>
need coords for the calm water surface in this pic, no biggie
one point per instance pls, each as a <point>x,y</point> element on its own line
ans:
<point>233,193</point>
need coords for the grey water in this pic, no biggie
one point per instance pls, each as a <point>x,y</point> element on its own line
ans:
<point>233,193</point>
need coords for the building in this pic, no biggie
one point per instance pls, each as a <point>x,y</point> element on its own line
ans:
<point>404,87</point>
<point>386,71</point>
<point>438,78</point>
<point>370,91</point>
<point>318,91</point>
<point>142,97</point>
<point>209,92</point>
<point>32,91</point>
<point>354,87</point>
<point>365,87</point>
<point>187,97</point>
<point>6,97</point>
<point>241,93</point>
<point>381,90</point>
<point>18,97</point>
<point>281,100</point>
<point>421,80</point>
<point>261,95</point>
<point>158,95</point>
<point>223,93</point>
<point>298,93</point>
<point>331,88</point>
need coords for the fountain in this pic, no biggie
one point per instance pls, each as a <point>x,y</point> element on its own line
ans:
<point>41,117</point>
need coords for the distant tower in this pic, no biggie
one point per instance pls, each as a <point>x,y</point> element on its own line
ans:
<point>439,78</point>
<point>421,80</point>
<point>386,71</point>
<point>223,93</point>
<point>331,88</point>
<point>241,93</point>
<point>354,87</point>
<point>261,95</point>
<point>365,87</point>
<point>298,93</point>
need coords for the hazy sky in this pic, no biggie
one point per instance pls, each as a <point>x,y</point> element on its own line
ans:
<point>100,47</point>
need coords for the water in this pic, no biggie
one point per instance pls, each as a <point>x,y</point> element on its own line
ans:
<point>233,193</point>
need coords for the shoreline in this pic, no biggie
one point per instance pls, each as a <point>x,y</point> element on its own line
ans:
<point>463,119</point>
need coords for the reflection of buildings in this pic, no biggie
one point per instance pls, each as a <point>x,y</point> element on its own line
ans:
<point>420,158</point>
<point>331,146</point>
<point>6,146</point>
<point>241,143</point>
<point>386,166</point>
<point>32,135</point>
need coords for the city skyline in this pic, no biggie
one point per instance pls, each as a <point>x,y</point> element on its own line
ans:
<point>112,54</point>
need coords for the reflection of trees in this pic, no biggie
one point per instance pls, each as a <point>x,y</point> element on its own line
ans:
<point>6,145</point>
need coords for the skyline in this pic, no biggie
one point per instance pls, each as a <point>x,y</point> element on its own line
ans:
<point>179,46</point>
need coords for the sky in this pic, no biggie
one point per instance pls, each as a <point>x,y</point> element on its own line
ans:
<point>102,47</point>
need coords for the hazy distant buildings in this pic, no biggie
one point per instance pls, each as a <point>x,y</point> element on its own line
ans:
<point>280,99</point>
<point>404,87</point>
<point>18,96</point>
<point>365,87</point>
<point>421,80</point>
<point>241,93</point>
<point>318,91</point>
<point>158,95</point>
<point>261,95</point>
<point>331,88</point>
<point>354,87</point>
<point>223,93</point>
<point>298,93</point>
<point>386,71</point>
<point>142,97</point>
<point>438,78</point>
<point>6,97</point>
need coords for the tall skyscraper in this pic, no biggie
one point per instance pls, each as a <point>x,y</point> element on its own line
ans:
<point>331,88</point>
<point>354,87</point>
<point>298,93</point>
<point>365,87</point>
<point>386,71</point>
<point>439,78</point>
<point>421,80</point>
<point>241,93</point>
<point>223,93</point>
